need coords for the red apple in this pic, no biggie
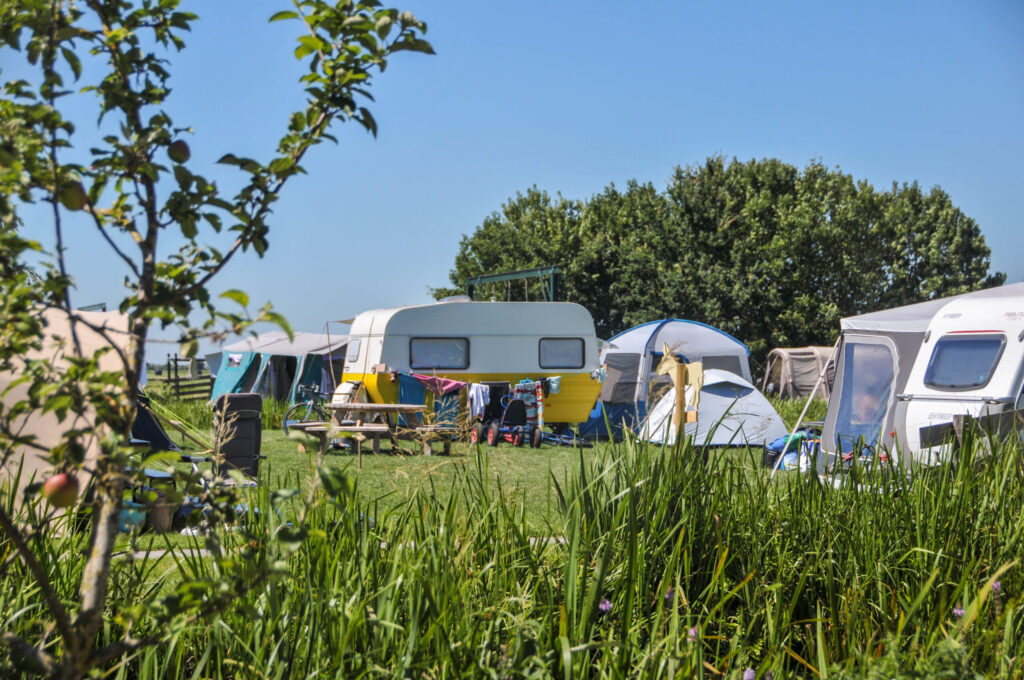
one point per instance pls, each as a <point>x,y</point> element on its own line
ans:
<point>61,490</point>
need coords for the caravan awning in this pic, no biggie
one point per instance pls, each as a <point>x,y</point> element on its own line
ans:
<point>277,343</point>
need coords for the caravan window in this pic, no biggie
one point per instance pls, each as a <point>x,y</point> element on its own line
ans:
<point>561,352</point>
<point>353,350</point>
<point>964,362</point>
<point>432,353</point>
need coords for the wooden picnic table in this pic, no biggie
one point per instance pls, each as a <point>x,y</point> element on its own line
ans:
<point>359,423</point>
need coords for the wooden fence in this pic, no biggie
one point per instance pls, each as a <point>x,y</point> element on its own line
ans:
<point>185,384</point>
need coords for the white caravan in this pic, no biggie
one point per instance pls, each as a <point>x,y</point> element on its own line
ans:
<point>480,342</point>
<point>970,363</point>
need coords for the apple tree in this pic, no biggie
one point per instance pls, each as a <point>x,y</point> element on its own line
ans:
<point>157,215</point>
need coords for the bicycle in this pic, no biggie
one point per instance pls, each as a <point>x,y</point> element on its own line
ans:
<point>308,410</point>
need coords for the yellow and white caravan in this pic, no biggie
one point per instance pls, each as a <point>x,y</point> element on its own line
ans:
<point>479,342</point>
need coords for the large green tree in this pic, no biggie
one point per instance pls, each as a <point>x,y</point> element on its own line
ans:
<point>762,249</point>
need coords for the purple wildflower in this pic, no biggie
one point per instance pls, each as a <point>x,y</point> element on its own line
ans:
<point>958,612</point>
<point>605,606</point>
<point>997,587</point>
<point>749,674</point>
<point>692,635</point>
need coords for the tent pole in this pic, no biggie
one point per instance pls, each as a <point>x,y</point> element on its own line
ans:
<point>330,354</point>
<point>807,405</point>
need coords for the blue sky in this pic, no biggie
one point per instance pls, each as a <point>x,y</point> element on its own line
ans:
<point>572,96</point>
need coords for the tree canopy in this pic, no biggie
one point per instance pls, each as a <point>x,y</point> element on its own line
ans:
<point>770,253</point>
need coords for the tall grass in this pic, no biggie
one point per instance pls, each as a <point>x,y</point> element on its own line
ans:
<point>665,563</point>
<point>198,414</point>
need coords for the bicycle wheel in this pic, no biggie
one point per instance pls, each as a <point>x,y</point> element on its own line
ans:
<point>303,413</point>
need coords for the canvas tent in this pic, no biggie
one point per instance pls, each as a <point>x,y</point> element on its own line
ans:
<point>44,429</point>
<point>630,358</point>
<point>876,354</point>
<point>731,412</point>
<point>274,366</point>
<point>792,372</point>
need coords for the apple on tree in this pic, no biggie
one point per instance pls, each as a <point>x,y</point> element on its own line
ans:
<point>61,490</point>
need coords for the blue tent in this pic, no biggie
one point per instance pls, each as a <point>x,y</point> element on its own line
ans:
<point>275,366</point>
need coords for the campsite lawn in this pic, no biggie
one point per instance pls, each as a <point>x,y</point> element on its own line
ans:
<point>391,479</point>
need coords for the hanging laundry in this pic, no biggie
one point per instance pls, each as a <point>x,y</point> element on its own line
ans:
<point>438,385</point>
<point>526,390</point>
<point>479,397</point>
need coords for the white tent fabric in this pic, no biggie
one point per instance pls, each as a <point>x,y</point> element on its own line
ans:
<point>731,413</point>
<point>277,343</point>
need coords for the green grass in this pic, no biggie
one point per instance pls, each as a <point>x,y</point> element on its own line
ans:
<point>668,563</point>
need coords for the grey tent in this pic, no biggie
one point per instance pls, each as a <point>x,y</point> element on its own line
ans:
<point>274,366</point>
<point>792,372</point>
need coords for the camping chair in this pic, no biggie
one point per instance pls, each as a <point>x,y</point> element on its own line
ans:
<point>237,436</point>
<point>238,433</point>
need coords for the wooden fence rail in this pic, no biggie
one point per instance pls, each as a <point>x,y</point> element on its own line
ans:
<point>182,384</point>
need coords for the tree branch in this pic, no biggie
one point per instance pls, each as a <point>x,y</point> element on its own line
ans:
<point>44,662</point>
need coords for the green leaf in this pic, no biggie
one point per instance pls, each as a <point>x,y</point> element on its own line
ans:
<point>73,62</point>
<point>336,482</point>
<point>282,15</point>
<point>237,295</point>
<point>291,537</point>
<point>413,45</point>
<point>280,495</point>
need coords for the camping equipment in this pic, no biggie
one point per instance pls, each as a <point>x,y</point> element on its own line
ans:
<point>480,342</point>
<point>274,366</point>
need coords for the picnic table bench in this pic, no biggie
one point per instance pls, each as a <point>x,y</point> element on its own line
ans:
<point>388,428</point>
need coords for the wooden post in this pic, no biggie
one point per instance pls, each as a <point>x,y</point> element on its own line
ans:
<point>680,381</point>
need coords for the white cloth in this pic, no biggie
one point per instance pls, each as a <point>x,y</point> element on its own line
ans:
<point>479,397</point>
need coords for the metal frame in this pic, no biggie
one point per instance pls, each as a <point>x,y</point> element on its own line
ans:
<point>550,286</point>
